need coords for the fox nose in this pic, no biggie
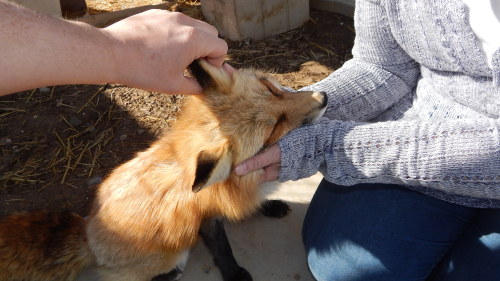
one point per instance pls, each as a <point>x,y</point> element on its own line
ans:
<point>321,97</point>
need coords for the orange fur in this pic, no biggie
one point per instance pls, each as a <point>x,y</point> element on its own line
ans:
<point>146,213</point>
<point>42,246</point>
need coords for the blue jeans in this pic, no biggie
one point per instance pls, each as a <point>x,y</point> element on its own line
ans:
<point>387,232</point>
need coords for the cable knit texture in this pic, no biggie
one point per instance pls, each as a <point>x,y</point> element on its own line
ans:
<point>417,105</point>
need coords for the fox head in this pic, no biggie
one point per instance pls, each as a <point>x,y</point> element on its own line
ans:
<point>244,112</point>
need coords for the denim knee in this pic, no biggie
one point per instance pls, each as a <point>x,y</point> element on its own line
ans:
<point>345,262</point>
<point>380,232</point>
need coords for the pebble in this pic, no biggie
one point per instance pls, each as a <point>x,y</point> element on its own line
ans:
<point>75,121</point>
<point>44,90</point>
<point>94,181</point>
<point>206,268</point>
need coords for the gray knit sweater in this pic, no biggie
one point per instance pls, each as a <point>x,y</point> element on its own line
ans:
<point>417,105</point>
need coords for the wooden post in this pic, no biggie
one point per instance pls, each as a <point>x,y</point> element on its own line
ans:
<point>255,19</point>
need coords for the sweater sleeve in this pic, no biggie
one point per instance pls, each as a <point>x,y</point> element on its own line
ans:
<point>460,157</point>
<point>379,75</point>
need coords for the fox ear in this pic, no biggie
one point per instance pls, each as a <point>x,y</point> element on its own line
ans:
<point>211,167</point>
<point>210,76</point>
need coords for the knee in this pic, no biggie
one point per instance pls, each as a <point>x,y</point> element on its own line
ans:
<point>345,262</point>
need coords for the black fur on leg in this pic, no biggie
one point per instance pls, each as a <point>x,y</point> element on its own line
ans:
<point>275,208</point>
<point>241,275</point>
<point>173,275</point>
<point>213,234</point>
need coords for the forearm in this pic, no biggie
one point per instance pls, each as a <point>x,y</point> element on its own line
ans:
<point>38,50</point>
<point>455,156</point>
<point>150,50</point>
<point>380,74</point>
<point>361,91</point>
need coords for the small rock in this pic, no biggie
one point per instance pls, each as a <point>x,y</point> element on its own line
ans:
<point>94,181</point>
<point>44,90</point>
<point>75,121</point>
<point>207,269</point>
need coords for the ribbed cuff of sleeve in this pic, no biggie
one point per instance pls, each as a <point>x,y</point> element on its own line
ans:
<point>302,151</point>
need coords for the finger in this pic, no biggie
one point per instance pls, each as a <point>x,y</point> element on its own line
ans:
<point>210,29</point>
<point>228,68</point>
<point>197,24</point>
<point>219,62</point>
<point>259,161</point>
<point>215,52</point>
<point>271,173</point>
<point>186,86</point>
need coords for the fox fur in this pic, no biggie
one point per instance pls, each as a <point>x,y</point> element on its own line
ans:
<point>148,212</point>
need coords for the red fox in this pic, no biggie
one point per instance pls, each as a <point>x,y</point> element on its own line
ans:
<point>151,210</point>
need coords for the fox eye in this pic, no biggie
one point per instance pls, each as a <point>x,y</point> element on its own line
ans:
<point>271,87</point>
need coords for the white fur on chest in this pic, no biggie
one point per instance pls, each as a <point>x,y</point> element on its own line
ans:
<point>267,189</point>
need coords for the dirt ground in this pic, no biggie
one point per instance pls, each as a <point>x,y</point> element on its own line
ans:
<point>57,143</point>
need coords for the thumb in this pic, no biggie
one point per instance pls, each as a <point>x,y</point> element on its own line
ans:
<point>187,86</point>
<point>270,156</point>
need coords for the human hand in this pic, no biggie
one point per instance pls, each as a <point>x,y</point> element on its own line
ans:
<point>154,48</point>
<point>269,160</point>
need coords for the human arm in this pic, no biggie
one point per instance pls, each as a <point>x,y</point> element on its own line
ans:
<point>379,75</point>
<point>460,157</point>
<point>150,50</point>
<point>455,156</point>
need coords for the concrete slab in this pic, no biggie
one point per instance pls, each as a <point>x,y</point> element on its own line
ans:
<point>270,249</point>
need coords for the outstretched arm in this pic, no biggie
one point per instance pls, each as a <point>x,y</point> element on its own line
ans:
<point>150,50</point>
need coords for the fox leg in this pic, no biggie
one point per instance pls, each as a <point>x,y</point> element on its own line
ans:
<point>106,274</point>
<point>128,274</point>
<point>213,234</point>
<point>177,272</point>
<point>143,269</point>
<point>274,208</point>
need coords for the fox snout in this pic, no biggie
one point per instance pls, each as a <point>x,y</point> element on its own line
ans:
<point>322,98</point>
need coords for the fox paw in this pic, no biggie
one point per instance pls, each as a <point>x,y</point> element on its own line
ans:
<point>275,208</point>
<point>173,275</point>
<point>241,275</point>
